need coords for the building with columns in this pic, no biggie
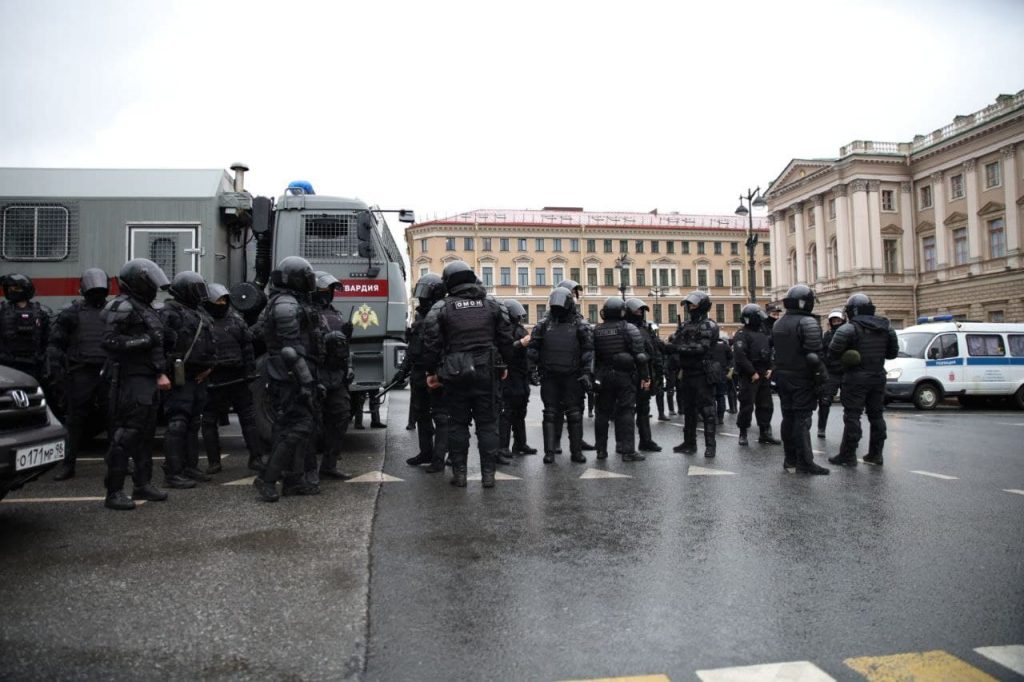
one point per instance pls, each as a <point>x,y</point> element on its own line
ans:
<point>930,226</point>
<point>659,257</point>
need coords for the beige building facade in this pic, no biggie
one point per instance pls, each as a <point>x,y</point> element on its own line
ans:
<point>659,257</point>
<point>931,226</point>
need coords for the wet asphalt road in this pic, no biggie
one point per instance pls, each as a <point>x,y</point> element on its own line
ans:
<point>546,577</point>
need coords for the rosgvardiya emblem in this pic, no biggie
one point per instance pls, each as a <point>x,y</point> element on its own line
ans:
<point>365,317</point>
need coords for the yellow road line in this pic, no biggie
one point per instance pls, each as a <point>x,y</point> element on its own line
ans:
<point>925,666</point>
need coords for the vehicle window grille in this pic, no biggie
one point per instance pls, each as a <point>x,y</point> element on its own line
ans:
<point>162,251</point>
<point>329,238</point>
<point>39,232</point>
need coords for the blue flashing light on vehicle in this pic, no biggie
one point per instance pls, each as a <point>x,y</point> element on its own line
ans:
<point>926,319</point>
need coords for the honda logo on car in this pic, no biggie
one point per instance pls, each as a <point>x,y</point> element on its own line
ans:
<point>20,399</point>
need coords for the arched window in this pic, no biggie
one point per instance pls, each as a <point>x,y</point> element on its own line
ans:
<point>812,263</point>
<point>792,268</point>
<point>833,250</point>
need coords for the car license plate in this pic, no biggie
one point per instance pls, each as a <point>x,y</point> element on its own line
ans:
<point>39,455</point>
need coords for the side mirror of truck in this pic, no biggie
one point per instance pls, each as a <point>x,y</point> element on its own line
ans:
<point>262,214</point>
<point>406,216</point>
<point>364,228</point>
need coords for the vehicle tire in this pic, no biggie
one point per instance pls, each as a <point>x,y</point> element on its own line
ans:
<point>926,396</point>
<point>263,407</point>
<point>1018,398</point>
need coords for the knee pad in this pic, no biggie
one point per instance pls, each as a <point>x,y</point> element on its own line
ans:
<point>177,426</point>
<point>551,416</point>
<point>574,416</point>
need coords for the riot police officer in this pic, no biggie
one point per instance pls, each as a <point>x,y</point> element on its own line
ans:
<point>835,372</point>
<point>562,348</point>
<point>863,345</point>
<point>658,380</point>
<point>335,376</point>
<point>463,335</point>
<point>799,372</point>
<point>577,290</point>
<point>24,328</point>
<point>692,342</point>
<point>635,312</point>
<point>515,391</point>
<point>134,341</point>
<point>621,367</point>
<point>293,334</point>
<point>77,358</point>
<point>228,386</point>
<point>723,357</point>
<point>192,355</point>
<point>752,353</point>
<point>430,408</point>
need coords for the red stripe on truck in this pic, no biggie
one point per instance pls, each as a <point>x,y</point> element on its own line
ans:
<point>63,286</point>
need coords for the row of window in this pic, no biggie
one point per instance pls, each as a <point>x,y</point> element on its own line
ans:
<point>557,243</point>
<point>995,232</point>
<point>978,345</point>
<point>993,179</point>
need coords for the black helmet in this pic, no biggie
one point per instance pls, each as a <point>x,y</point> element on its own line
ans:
<point>189,288</point>
<point>752,315</point>
<point>215,292</point>
<point>859,304</point>
<point>457,272</point>
<point>96,280</point>
<point>18,288</point>
<point>429,288</point>
<point>142,278</point>
<point>515,309</point>
<point>295,273</point>
<point>562,299</point>
<point>799,297</point>
<point>636,308</point>
<point>698,304</point>
<point>614,308</point>
<point>326,283</point>
<point>571,285</point>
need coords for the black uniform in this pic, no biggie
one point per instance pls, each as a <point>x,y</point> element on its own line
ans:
<point>671,379</point>
<point>830,387</point>
<point>799,371</point>
<point>752,352</point>
<point>462,337</point>
<point>24,334</point>
<point>431,409</point>
<point>134,341</point>
<point>228,386</point>
<point>699,375</point>
<point>722,354</point>
<point>292,332</point>
<point>515,397</point>
<point>191,343</point>
<point>652,349</point>
<point>335,377</point>
<point>77,358</point>
<point>620,364</point>
<point>563,350</point>
<point>864,383</point>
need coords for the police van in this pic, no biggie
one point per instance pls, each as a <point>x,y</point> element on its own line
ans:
<point>940,358</point>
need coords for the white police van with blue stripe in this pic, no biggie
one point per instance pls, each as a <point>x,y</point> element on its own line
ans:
<point>940,357</point>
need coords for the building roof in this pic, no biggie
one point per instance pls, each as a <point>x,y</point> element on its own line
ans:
<point>580,218</point>
<point>113,182</point>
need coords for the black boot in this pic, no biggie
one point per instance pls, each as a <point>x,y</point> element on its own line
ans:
<point>459,476</point>
<point>766,437</point>
<point>519,445</point>
<point>633,457</point>
<point>214,468</point>
<point>420,459</point>
<point>575,429</point>
<point>845,458</point>
<point>256,463</point>
<point>551,434</point>
<point>502,457</point>
<point>813,469</point>
<point>196,475</point>
<point>118,500</point>
<point>67,470</point>
<point>584,445</point>
<point>643,429</point>
<point>743,437</point>
<point>150,493</point>
<point>487,477</point>
<point>709,438</point>
<point>266,491</point>
<point>686,448</point>
<point>602,454</point>
<point>874,458</point>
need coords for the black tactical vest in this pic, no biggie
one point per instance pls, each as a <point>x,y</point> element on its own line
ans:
<point>470,324</point>
<point>415,348</point>
<point>609,340</point>
<point>695,332</point>
<point>86,344</point>
<point>336,350</point>
<point>560,353</point>
<point>228,340</point>
<point>24,330</point>
<point>142,319</point>
<point>789,333</point>
<point>872,343</point>
<point>190,336</point>
<point>756,346</point>
<point>304,317</point>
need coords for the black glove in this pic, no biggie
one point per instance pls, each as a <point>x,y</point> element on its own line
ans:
<point>400,379</point>
<point>347,329</point>
<point>587,382</point>
<point>350,375</point>
<point>534,378</point>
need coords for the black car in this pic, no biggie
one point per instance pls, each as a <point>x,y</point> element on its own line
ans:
<point>32,441</point>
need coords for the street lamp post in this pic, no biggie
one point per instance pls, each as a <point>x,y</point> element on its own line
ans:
<point>753,200</point>
<point>621,263</point>
<point>657,291</point>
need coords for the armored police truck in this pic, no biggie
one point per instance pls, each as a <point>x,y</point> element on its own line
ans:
<point>55,223</point>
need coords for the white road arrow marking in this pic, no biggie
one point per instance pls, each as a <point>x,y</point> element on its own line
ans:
<point>1015,492</point>
<point>498,476</point>
<point>375,477</point>
<point>795,671</point>
<point>601,473</point>
<point>1010,656</point>
<point>242,481</point>
<point>695,470</point>
<point>944,477</point>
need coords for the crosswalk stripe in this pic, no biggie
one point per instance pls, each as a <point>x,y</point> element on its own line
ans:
<point>1010,656</point>
<point>375,477</point>
<point>695,470</point>
<point>42,500</point>
<point>1014,491</point>
<point>925,666</point>
<point>794,671</point>
<point>944,477</point>
<point>601,473</point>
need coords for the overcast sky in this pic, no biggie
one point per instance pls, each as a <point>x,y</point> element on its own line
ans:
<point>447,107</point>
